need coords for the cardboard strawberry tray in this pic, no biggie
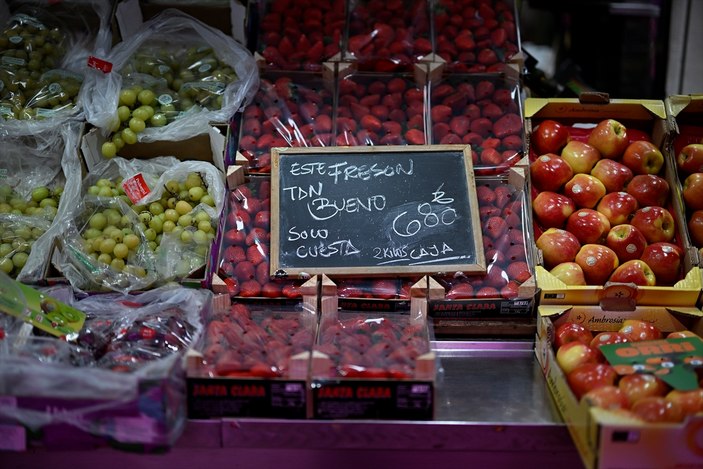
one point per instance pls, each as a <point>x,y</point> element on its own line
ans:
<point>289,35</point>
<point>502,299</point>
<point>253,360</point>
<point>372,365</point>
<point>606,205</point>
<point>633,397</point>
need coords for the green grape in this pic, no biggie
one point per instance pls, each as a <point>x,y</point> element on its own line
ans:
<point>109,149</point>
<point>196,193</point>
<point>117,264</point>
<point>98,221</point>
<point>131,241</point>
<point>120,251</point>
<point>183,207</point>
<point>105,258</point>
<point>129,136</point>
<point>146,97</point>
<point>156,208</point>
<point>20,259</point>
<point>107,246</point>
<point>128,98</point>
<point>137,125</point>
<point>7,265</point>
<point>40,193</point>
<point>124,113</point>
<point>158,120</point>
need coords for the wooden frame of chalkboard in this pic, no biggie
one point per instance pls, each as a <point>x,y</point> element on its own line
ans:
<point>369,211</point>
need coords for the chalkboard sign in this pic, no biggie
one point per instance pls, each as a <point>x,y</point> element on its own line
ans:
<point>374,211</point>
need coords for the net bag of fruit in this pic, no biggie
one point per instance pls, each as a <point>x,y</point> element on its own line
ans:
<point>119,374</point>
<point>39,171</point>
<point>169,81</point>
<point>43,53</point>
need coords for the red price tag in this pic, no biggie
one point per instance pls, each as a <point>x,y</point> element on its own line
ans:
<point>99,64</point>
<point>135,188</point>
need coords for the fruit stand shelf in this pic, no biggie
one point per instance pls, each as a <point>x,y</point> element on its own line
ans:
<point>493,409</point>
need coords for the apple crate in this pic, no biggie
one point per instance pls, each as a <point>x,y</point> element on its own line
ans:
<point>254,359</point>
<point>502,300</point>
<point>686,119</point>
<point>290,35</point>
<point>617,438</point>
<point>476,37</point>
<point>290,109</point>
<point>372,365</point>
<point>380,108</point>
<point>482,110</point>
<point>598,193</point>
<point>242,265</point>
<point>387,36</point>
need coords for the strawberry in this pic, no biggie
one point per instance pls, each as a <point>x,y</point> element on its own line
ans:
<point>415,137</point>
<point>370,100</point>
<point>465,41</point>
<point>515,253</point>
<point>487,292</point>
<point>460,125</point>
<point>250,288</point>
<point>509,124</point>
<point>495,227</point>
<point>456,101</point>
<point>450,139</point>
<point>499,36</point>
<point>472,111</point>
<point>262,274</point>
<point>371,123</point>
<point>441,91</point>
<point>460,291</point>
<point>510,290</point>
<point>494,256</point>
<point>233,237</point>
<point>491,111</point>
<point>519,271</point>
<point>512,142</point>
<point>291,291</point>
<point>504,194</point>
<point>517,237</point>
<point>380,111</point>
<point>257,236</point>
<point>244,270</point>
<point>485,195</point>
<point>490,157</point>
<point>257,253</point>
<point>487,211</point>
<point>392,127</point>
<point>234,254</point>
<point>439,130</point>
<point>364,137</point>
<point>440,113</point>
<point>384,289</point>
<point>484,89</point>
<point>502,97</point>
<point>482,126</point>
<point>262,219</point>
<point>271,290</point>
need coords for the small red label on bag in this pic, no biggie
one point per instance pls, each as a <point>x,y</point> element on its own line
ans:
<point>135,188</point>
<point>99,64</point>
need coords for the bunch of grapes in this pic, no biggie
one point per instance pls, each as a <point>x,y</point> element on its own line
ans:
<point>163,87</point>
<point>17,236</point>
<point>44,201</point>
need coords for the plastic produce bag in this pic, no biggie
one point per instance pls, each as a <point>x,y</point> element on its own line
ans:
<point>43,51</point>
<point>190,73</point>
<point>122,372</point>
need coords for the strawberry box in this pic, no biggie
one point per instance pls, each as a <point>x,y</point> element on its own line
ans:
<point>504,297</point>
<point>609,211</point>
<point>606,437</point>
<point>372,365</point>
<point>481,110</point>
<point>242,268</point>
<point>253,360</point>
<point>476,37</point>
<point>685,149</point>
<point>380,108</point>
<point>390,36</point>
<point>293,35</point>
<point>390,293</point>
<point>290,109</point>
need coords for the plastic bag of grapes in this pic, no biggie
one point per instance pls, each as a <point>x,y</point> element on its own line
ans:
<point>18,234</point>
<point>43,51</point>
<point>197,76</point>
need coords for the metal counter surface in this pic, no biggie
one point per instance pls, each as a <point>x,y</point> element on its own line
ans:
<point>493,410</point>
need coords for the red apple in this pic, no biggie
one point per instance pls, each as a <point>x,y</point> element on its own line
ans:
<point>639,385</point>
<point>627,241</point>
<point>655,223</point>
<point>665,260</point>
<point>571,332</point>
<point>643,157</point>
<point>549,137</point>
<point>589,226</point>
<point>584,189</point>
<point>637,330</point>
<point>573,354</point>
<point>609,137</point>
<point>692,191</point>
<point>657,409</point>
<point>552,209</point>
<point>618,207</point>
<point>590,376</point>
<point>649,189</point>
<point>598,262</point>
<point>691,402</point>
<point>569,272</point>
<point>695,227</point>
<point>580,156</point>
<point>557,246</point>
<point>681,334</point>
<point>607,397</point>
<point>635,271</point>
<point>690,158</point>
<point>607,338</point>
<point>614,176</point>
<point>550,172</point>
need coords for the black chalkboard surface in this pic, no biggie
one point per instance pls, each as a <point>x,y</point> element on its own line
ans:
<point>374,211</point>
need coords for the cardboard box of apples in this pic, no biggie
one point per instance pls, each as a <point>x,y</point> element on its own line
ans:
<point>606,206</point>
<point>626,382</point>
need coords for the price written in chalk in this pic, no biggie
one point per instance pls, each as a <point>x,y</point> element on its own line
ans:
<point>381,210</point>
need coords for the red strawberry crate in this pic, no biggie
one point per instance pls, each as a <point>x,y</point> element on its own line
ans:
<point>476,37</point>
<point>380,108</point>
<point>372,365</point>
<point>295,35</point>
<point>392,293</point>
<point>597,138</point>
<point>502,301</point>
<point>290,109</point>
<point>253,360</point>
<point>481,110</point>
<point>242,267</point>
<point>387,36</point>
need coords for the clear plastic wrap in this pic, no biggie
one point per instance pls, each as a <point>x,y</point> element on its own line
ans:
<point>197,75</point>
<point>121,368</point>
